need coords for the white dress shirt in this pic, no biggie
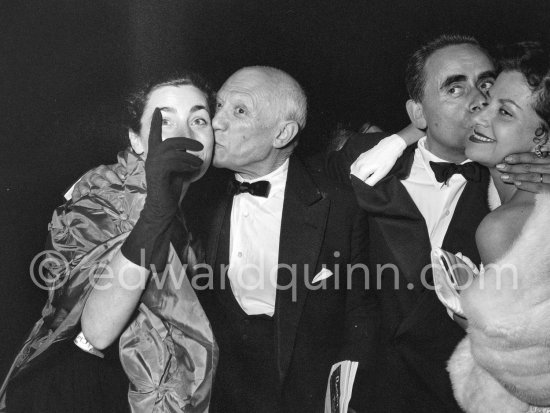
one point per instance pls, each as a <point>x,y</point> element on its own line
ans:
<point>254,244</point>
<point>436,201</point>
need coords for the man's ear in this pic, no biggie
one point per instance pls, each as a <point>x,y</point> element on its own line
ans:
<point>287,131</point>
<point>135,141</point>
<point>416,114</point>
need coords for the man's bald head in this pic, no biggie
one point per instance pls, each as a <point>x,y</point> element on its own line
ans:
<point>282,89</point>
<point>259,112</point>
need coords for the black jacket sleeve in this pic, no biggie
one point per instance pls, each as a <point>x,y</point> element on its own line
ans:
<point>337,163</point>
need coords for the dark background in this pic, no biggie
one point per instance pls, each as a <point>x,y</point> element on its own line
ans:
<point>65,66</point>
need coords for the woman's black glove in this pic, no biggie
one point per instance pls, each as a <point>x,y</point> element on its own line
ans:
<point>167,166</point>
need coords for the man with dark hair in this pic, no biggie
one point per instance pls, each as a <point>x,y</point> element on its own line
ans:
<point>415,75</point>
<point>411,212</point>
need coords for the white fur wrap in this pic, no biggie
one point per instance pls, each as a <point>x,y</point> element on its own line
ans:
<point>503,365</point>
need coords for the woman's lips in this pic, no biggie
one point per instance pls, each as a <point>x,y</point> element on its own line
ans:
<point>478,137</point>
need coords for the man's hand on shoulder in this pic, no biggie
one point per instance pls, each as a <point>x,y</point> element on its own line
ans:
<point>97,178</point>
<point>527,171</point>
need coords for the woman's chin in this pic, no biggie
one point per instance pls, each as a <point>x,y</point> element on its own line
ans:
<point>481,158</point>
<point>200,173</point>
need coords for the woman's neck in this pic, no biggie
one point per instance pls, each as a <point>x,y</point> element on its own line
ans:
<point>508,192</point>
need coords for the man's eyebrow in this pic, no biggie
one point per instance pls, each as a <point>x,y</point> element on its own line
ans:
<point>452,79</point>
<point>488,74</point>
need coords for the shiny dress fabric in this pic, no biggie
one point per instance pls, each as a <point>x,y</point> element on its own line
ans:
<point>168,350</point>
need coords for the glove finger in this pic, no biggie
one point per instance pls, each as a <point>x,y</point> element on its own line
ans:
<point>364,171</point>
<point>374,178</point>
<point>355,170</point>
<point>155,133</point>
<point>182,144</point>
<point>181,162</point>
<point>176,185</point>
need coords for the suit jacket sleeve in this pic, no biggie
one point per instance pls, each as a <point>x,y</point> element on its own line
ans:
<point>338,163</point>
<point>362,310</point>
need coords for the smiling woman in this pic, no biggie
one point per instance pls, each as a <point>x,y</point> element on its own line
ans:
<point>503,363</point>
<point>510,123</point>
<point>108,341</point>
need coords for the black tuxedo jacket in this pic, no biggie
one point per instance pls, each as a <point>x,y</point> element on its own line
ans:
<point>321,227</point>
<point>417,336</point>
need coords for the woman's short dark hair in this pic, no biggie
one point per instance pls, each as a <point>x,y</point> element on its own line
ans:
<point>532,59</point>
<point>415,76</point>
<point>136,101</point>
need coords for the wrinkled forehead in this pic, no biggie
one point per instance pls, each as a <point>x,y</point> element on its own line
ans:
<point>248,80</point>
<point>252,85</point>
<point>462,61</point>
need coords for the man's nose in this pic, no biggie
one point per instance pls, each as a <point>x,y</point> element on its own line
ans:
<point>219,122</point>
<point>479,100</point>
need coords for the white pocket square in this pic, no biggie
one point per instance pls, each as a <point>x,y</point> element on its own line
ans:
<point>322,275</point>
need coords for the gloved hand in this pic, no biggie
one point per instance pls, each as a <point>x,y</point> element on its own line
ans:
<point>373,165</point>
<point>166,167</point>
<point>452,273</point>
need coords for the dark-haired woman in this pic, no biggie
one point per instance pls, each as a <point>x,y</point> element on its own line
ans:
<point>113,337</point>
<point>503,365</point>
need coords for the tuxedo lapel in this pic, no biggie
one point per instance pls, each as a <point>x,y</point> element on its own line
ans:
<point>215,234</point>
<point>217,256</point>
<point>304,217</point>
<point>397,219</point>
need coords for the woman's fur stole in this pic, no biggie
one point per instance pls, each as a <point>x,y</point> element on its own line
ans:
<point>503,365</point>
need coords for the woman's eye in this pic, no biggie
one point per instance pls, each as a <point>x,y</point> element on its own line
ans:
<point>166,122</point>
<point>219,105</point>
<point>240,111</point>
<point>199,122</point>
<point>504,112</point>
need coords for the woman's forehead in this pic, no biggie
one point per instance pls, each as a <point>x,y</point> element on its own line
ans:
<point>177,97</point>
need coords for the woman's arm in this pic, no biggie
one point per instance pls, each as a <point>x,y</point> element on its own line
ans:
<point>113,299</point>
<point>116,294</point>
<point>410,134</point>
<point>376,163</point>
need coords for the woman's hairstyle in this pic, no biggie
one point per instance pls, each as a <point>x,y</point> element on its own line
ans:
<point>135,102</point>
<point>532,59</point>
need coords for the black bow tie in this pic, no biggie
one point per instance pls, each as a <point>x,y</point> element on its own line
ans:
<point>259,188</point>
<point>444,170</point>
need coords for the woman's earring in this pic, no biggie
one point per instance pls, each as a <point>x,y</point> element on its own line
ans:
<point>539,152</point>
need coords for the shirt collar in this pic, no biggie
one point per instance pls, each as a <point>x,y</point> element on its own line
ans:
<point>276,178</point>
<point>426,157</point>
